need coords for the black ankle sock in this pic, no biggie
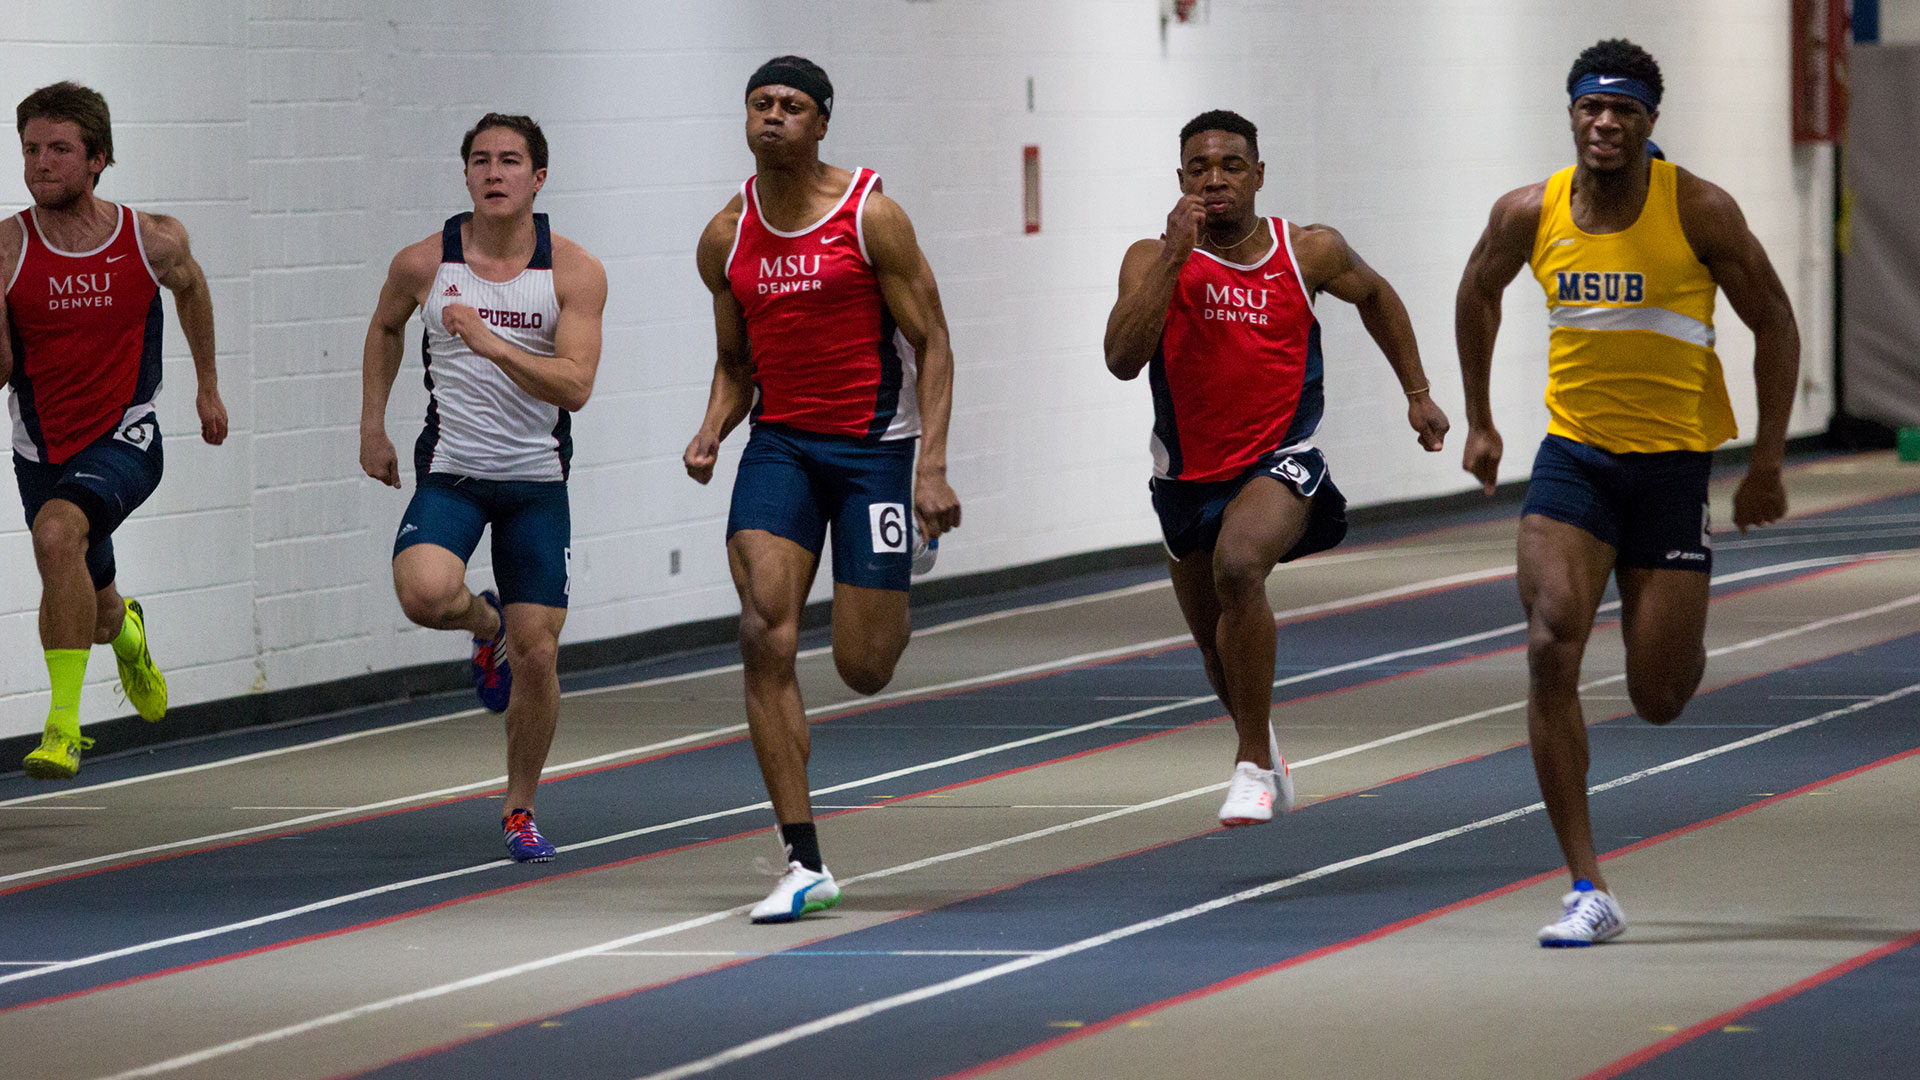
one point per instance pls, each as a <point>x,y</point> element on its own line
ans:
<point>802,844</point>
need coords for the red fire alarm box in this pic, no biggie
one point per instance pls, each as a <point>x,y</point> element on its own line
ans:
<point>1031,168</point>
<point>1820,37</point>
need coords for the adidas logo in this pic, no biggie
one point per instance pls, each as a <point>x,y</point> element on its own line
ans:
<point>452,290</point>
<point>408,527</point>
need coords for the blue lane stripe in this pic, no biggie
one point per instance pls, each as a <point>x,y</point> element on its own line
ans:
<point>705,1014</point>
<point>153,759</point>
<point>171,897</point>
<point>1861,1024</point>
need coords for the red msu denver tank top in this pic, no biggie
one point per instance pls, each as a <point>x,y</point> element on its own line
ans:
<point>86,340</point>
<point>1237,373</point>
<point>827,357</point>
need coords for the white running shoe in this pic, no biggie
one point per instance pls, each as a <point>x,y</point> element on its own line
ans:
<point>1282,774</point>
<point>800,891</point>
<point>1590,917</point>
<point>1250,796</point>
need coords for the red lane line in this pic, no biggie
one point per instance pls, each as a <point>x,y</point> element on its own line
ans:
<point>1674,1041</point>
<point>1004,887</point>
<point>933,696</point>
<point>947,787</point>
<point>515,887</point>
<point>741,835</point>
<point>1057,1041</point>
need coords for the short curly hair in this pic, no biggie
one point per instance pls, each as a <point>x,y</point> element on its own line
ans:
<point>1223,120</point>
<point>1617,56</point>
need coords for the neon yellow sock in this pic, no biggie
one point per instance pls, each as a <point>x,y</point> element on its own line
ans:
<point>68,669</point>
<point>132,639</point>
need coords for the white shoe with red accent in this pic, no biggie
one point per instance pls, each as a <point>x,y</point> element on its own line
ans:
<point>1283,776</point>
<point>1250,796</point>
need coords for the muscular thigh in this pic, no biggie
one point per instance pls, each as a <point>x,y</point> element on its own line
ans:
<point>1562,574</point>
<point>772,574</point>
<point>1264,522</point>
<point>1663,617</point>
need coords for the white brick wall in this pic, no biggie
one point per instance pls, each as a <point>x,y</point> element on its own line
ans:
<point>304,142</point>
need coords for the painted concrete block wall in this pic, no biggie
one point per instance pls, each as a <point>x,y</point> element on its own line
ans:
<point>304,142</point>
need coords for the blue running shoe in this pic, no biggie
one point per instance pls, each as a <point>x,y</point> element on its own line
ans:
<point>524,841</point>
<point>492,678</point>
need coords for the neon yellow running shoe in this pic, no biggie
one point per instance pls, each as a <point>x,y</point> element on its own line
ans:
<point>58,757</point>
<point>140,679</point>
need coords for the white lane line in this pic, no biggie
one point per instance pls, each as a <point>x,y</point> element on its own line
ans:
<point>560,771</point>
<point>52,808</point>
<point>849,1016</point>
<point>288,808</point>
<point>873,1008</point>
<point>675,953</point>
<point>816,711</point>
<point>1387,740</point>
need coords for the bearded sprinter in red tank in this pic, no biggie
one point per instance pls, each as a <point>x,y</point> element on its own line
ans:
<point>80,350</point>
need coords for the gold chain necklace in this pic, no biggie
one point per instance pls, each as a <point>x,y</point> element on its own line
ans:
<point>1229,247</point>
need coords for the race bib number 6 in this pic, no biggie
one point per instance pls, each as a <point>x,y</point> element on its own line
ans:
<point>889,524</point>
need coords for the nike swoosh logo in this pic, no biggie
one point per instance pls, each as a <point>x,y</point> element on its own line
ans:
<point>115,258</point>
<point>1605,80</point>
<point>828,239</point>
<point>87,476</point>
<point>1275,274</point>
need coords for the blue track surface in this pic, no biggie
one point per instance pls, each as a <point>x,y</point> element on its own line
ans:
<point>195,890</point>
<point>711,1012</point>
<point>1865,1023</point>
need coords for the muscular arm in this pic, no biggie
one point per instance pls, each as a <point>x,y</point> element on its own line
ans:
<point>173,263</point>
<point>1720,238</point>
<point>731,394</point>
<point>1148,275</point>
<point>1333,267</point>
<point>566,378</point>
<point>408,278</point>
<point>1503,249</point>
<point>907,285</point>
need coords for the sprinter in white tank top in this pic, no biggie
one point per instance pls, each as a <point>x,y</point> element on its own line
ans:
<point>512,345</point>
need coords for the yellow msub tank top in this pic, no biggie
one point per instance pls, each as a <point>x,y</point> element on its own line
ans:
<point>1630,360</point>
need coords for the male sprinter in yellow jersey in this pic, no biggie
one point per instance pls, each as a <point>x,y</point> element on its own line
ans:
<point>1629,250</point>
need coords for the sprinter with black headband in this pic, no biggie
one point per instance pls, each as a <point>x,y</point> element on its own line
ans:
<point>830,334</point>
<point>1629,249</point>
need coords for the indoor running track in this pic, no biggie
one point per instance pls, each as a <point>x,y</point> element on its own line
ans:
<point>1035,885</point>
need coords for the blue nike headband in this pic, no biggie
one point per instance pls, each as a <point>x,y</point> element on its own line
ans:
<point>1617,84</point>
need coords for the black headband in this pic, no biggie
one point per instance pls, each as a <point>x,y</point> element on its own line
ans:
<point>812,83</point>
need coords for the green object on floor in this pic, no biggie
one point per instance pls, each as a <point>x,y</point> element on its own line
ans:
<point>1908,443</point>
